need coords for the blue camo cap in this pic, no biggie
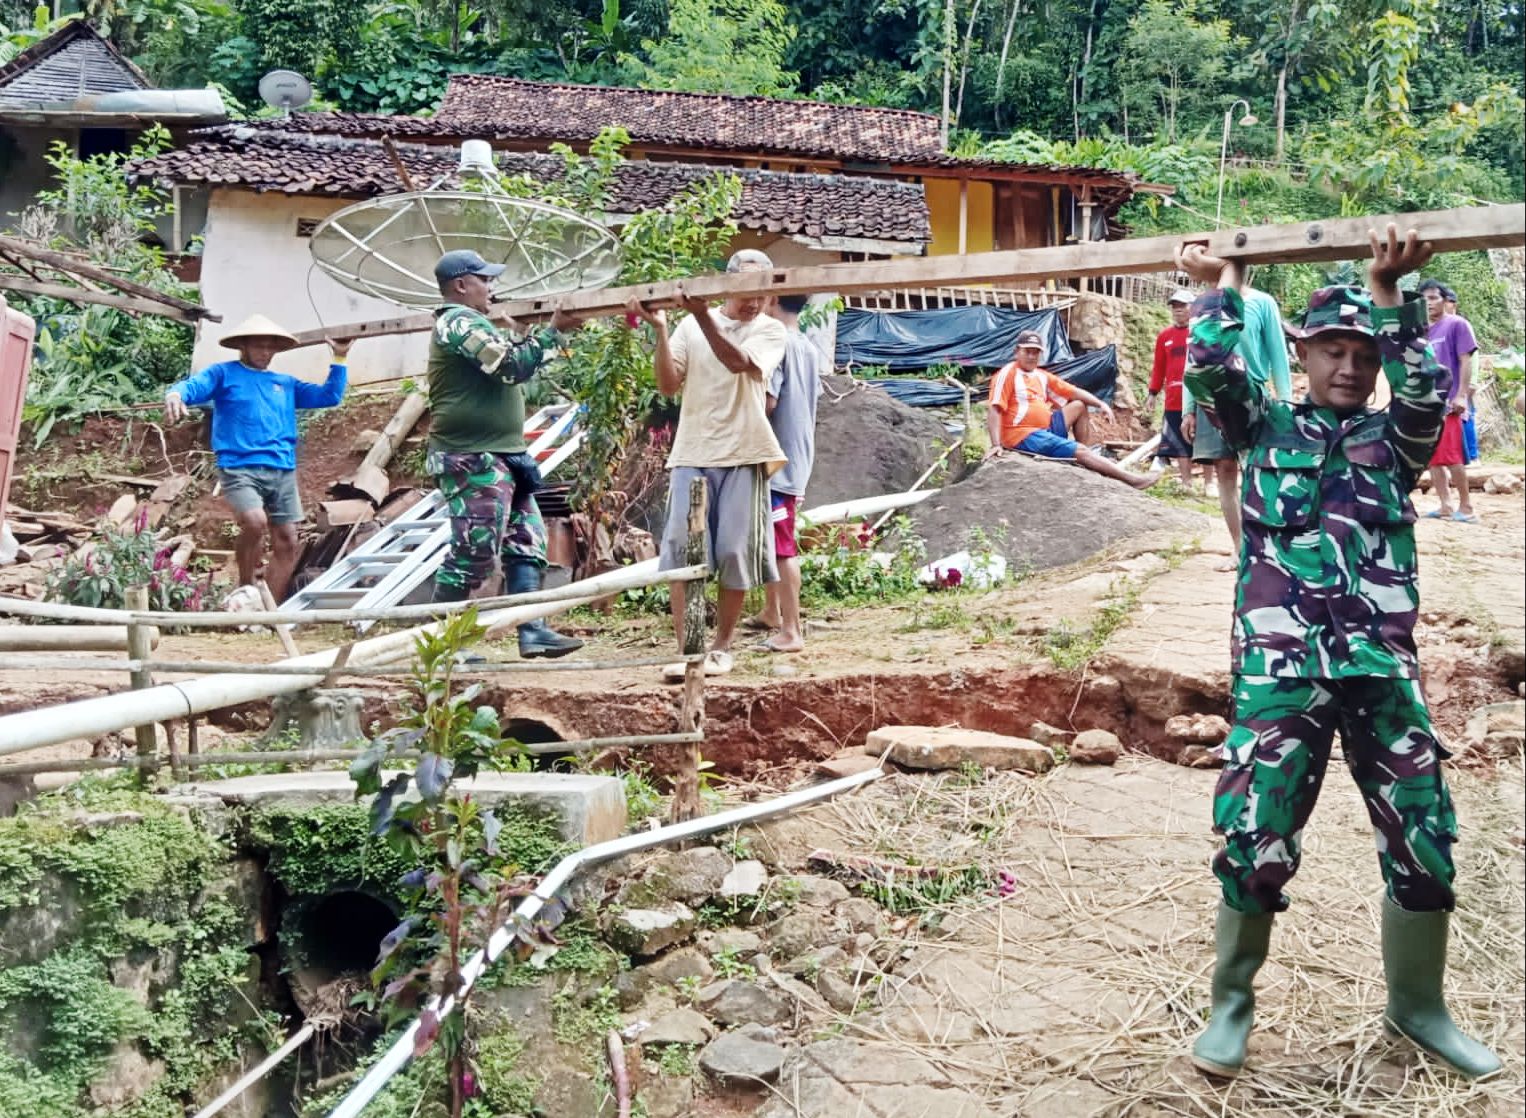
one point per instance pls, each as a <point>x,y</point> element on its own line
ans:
<point>1347,309</point>
<point>465,262</point>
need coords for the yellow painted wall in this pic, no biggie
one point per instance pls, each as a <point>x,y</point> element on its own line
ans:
<point>943,208</point>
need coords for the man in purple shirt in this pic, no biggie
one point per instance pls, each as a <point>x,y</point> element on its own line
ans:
<point>1453,344</point>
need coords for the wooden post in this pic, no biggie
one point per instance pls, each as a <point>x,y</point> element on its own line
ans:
<point>140,647</point>
<point>283,632</point>
<point>686,801</point>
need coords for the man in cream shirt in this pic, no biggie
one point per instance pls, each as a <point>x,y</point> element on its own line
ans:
<point>720,362</point>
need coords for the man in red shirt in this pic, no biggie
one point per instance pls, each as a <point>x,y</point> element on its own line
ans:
<point>1166,376</point>
<point>1033,411</point>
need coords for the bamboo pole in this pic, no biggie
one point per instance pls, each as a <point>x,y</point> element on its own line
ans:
<point>691,717</point>
<point>317,756</point>
<point>1455,230</point>
<point>336,671</point>
<point>62,638</point>
<point>627,578</point>
<point>139,648</point>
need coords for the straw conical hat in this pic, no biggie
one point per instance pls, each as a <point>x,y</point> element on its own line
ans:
<point>258,326</point>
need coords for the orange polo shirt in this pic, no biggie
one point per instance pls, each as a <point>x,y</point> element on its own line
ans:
<point>1026,401</point>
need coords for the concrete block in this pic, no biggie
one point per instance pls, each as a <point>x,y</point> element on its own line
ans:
<point>588,808</point>
<point>949,747</point>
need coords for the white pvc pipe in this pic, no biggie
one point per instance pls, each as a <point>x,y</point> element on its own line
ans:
<point>90,718</point>
<point>1141,452</point>
<point>397,1057</point>
<point>863,506</point>
<point>255,1074</point>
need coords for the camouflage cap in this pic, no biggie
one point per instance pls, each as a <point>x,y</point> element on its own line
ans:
<point>1347,309</point>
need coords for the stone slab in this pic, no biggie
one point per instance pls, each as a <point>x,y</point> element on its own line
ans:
<point>588,808</point>
<point>949,747</point>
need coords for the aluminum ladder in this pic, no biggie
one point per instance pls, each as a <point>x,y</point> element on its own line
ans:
<point>395,561</point>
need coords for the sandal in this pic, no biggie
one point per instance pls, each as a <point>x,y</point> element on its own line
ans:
<point>1465,517</point>
<point>1436,514</point>
<point>717,662</point>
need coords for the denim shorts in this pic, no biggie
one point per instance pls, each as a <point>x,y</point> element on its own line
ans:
<point>259,487</point>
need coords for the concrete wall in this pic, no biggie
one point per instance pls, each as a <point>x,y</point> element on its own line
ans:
<point>22,170</point>
<point>254,262</point>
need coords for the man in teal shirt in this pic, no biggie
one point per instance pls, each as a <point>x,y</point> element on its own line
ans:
<point>1265,353</point>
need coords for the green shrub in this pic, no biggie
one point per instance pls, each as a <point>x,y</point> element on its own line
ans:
<point>123,559</point>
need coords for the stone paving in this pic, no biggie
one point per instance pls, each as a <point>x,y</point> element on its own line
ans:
<point>1078,994</point>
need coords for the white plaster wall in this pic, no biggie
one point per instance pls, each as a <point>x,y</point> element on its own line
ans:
<point>253,262</point>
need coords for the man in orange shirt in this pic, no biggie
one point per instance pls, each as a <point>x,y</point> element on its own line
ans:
<point>1022,415</point>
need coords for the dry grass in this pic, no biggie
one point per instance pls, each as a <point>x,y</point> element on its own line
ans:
<point>1081,993</point>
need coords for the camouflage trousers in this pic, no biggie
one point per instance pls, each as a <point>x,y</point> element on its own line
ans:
<point>1275,762</point>
<point>493,514</point>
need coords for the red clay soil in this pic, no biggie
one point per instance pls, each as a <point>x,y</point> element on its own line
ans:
<point>64,474</point>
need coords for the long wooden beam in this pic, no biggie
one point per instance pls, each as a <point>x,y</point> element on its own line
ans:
<point>70,265</point>
<point>135,303</point>
<point>1457,230</point>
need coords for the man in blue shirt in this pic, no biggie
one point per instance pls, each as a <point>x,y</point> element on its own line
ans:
<point>254,434</point>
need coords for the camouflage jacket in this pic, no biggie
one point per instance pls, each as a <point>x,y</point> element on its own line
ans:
<point>1328,585</point>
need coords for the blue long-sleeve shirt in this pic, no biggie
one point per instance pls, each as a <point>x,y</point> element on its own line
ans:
<point>254,411</point>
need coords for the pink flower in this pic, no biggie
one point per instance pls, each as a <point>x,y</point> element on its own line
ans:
<point>1006,883</point>
<point>468,1084</point>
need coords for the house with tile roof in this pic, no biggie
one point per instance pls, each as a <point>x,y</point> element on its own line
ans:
<point>73,86</point>
<point>821,183</point>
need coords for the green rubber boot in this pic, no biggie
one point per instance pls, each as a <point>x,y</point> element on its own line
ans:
<point>1241,940</point>
<point>1414,963</point>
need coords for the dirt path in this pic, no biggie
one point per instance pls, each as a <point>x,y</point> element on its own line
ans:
<point>1079,994</point>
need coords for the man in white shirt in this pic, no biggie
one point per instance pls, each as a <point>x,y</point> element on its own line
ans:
<point>721,362</point>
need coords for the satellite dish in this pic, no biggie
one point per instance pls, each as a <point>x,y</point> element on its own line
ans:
<point>285,90</point>
<point>387,247</point>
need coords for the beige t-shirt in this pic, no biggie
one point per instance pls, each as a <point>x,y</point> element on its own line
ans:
<point>723,420</point>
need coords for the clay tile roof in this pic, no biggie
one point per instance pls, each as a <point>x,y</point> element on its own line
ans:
<point>510,108</point>
<point>264,159</point>
<point>72,62</point>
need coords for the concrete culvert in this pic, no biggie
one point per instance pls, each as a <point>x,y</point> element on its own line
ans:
<point>331,943</point>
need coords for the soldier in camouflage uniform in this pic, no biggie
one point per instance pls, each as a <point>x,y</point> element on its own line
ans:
<point>1323,638</point>
<point>477,450</point>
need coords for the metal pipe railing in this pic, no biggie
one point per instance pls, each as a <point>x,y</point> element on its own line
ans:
<point>401,1051</point>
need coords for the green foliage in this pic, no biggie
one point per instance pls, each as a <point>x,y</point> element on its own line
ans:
<point>85,1014</point>
<point>313,850</point>
<point>87,356</point>
<point>911,894</point>
<point>1069,648</point>
<point>677,1061</point>
<point>1172,57</point>
<point>719,46</point>
<point>137,877</point>
<point>122,559</point>
<point>576,1019</point>
<point>841,570</point>
<point>502,1080</point>
<point>460,887</point>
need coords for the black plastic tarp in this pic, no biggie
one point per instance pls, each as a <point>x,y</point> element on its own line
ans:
<point>1097,372</point>
<point>904,341</point>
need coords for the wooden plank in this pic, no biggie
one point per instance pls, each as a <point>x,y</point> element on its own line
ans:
<point>132,303</point>
<point>78,268</point>
<point>1458,230</point>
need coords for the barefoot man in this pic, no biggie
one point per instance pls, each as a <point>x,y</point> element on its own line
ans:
<point>1033,411</point>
